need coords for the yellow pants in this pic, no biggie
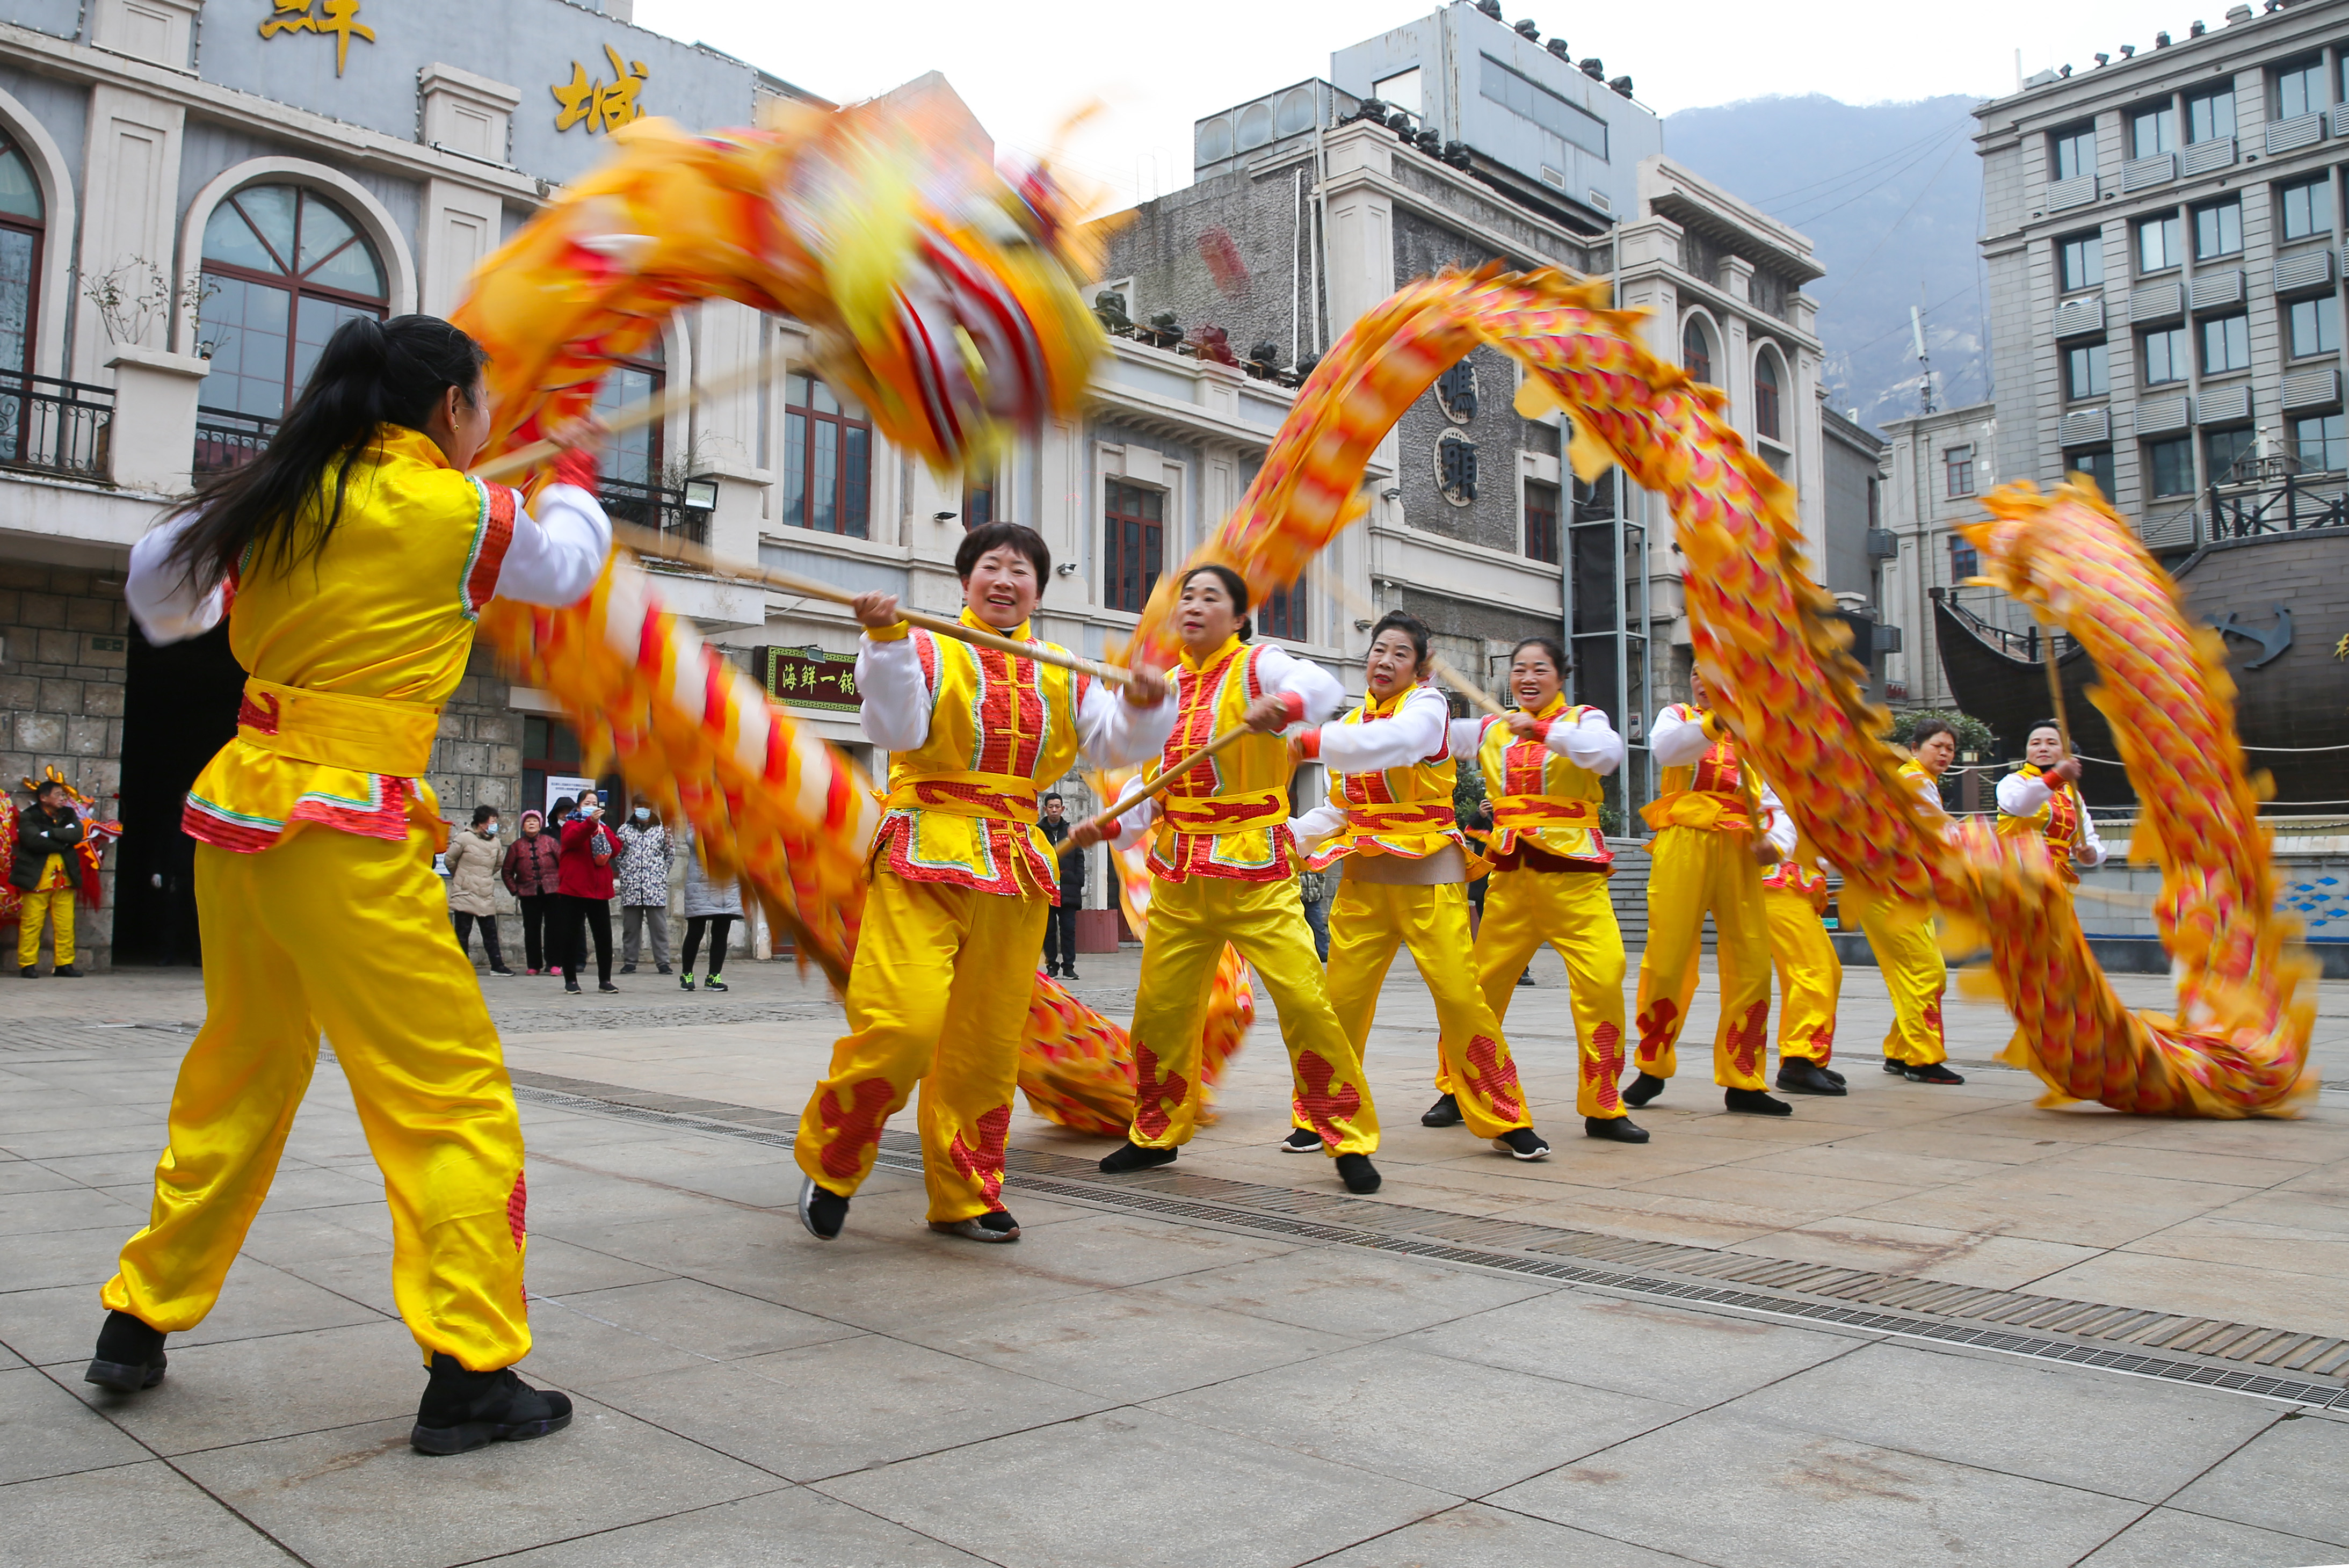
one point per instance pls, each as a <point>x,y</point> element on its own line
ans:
<point>58,903</point>
<point>937,996</point>
<point>1693,870</point>
<point>1810,975</point>
<point>1571,911</point>
<point>1902,935</point>
<point>352,935</point>
<point>1190,920</point>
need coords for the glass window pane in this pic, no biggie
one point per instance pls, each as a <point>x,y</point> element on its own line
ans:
<point>16,300</point>
<point>2316,325</point>
<point>795,390</point>
<point>2210,116</point>
<point>270,210</point>
<point>2226,344</point>
<point>2218,230</point>
<point>2308,209</point>
<point>795,466</point>
<point>2299,89</point>
<point>2157,243</point>
<point>2170,467</point>
<point>323,231</point>
<point>824,402</point>
<point>856,479</point>
<point>628,457</point>
<point>823,479</point>
<point>2097,466</point>
<point>315,322</point>
<point>2222,448</point>
<point>2153,130</point>
<point>20,194</point>
<point>2081,259</point>
<point>229,238</point>
<point>2323,442</point>
<point>244,327</point>
<point>2084,371</point>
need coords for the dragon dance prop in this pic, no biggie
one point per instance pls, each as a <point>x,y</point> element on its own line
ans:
<point>2239,1046</point>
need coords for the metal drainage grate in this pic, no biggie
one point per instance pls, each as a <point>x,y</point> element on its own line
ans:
<point>1442,1237</point>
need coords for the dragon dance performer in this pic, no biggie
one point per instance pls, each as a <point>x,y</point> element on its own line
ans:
<point>1902,932</point>
<point>1222,857</point>
<point>2044,797</point>
<point>1707,855</point>
<point>1388,817</point>
<point>1542,768</point>
<point>350,559</point>
<point>1810,975</point>
<point>962,883</point>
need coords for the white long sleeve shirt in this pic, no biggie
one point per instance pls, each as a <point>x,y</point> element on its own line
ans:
<point>558,546</point>
<point>1590,742</point>
<point>1678,738</point>
<point>2023,797</point>
<point>895,715</point>
<point>1420,728</point>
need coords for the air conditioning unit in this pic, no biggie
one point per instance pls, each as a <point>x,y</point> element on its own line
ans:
<point>1883,544</point>
<point>1886,640</point>
<point>2204,157</point>
<point>2156,302</point>
<point>2142,172</point>
<point>2064,194</point>
<point>2074,316</point>
<point>2087,426</point>
<point>2312,389</point>
<point>2217,291</point>
<point>2300,131</point>
<point>2307,270</point>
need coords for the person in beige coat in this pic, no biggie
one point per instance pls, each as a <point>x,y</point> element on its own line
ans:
<point>472,861</point>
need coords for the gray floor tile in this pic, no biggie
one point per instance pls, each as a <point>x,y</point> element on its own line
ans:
<point>1452,1425</point>
<point>1125,1344</point>
<point>1152,1491</point>
<point>252,1389</point>
<point>62,1257</point>
<point>33,1176</point>
<point>2044,1422</point>
<point>1724,1488</point>
<point>43,1431</point>
<point>1476,1536</point>
<point>2169,1538</point>
<point>134,1516</point>
<point>592,1337</point>
<point>312,1235</point>
<point>67,1209</point>
<point>832,1409</point>
<point>356,1496</point>
<point>1344,1289</point>
<point>793,1528</point>
<point>2268,1482</point>
<point>1123,1249</point>
<point>256,1300</point>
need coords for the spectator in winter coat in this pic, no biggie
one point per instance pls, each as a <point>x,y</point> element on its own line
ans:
<point>586,880</point>
<point>645,858</point>
<point>532,872</point>
<point>710,905</point>
<point>472,862</point>
<point>42,870</point>
<point>1060,927</point>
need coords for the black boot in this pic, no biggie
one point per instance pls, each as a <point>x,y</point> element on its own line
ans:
<point>1135,1156</point>
<point>1892,1065</point>
<point>1614,1129</point>
<point>1931,1072</point>
<point>129,1355</point>
<point>1358,1173</point>
<point>1444,1112</point>
<point>1799,1074</point>
<point>465,1409</point>
<point>1644,1087</point>
<point>1753,1102</point>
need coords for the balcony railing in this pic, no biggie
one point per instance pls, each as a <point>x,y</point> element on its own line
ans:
<point>2291,504</point>
<point>651,506</point>
<point>53,427</point>
<point>226,440</point>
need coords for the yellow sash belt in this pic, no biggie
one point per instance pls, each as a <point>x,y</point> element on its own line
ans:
<point>1694,808</point>
<point>1424,817</point>
<point>1531,813</point>
<point>1003,796</point>
<point>334,729</point>
<point>1216,815</point>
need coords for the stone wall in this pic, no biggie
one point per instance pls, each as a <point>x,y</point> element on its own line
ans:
<point>477,760</point>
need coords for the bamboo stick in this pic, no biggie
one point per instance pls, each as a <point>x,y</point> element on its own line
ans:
<point>1107,819</point>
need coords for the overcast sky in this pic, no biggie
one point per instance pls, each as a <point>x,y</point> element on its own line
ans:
<point>1023,65</point>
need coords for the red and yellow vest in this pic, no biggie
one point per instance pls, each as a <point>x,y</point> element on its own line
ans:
<point>1404,810</point>
<point>962,807</point>
<point>1711,794</point>
<point>1541,800</point>
<point>2059,822</point>
<point>349,655</point>
<point>1229,816</point>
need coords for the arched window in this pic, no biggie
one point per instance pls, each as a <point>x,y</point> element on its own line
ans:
<point>22,227</point>
<point>283,267</point>
<point>1765,397</point>
<point>1696,351</point>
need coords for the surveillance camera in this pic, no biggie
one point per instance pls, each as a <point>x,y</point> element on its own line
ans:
<point>944,516</point>
<point>1362,624</point>
<point>1065,569</point>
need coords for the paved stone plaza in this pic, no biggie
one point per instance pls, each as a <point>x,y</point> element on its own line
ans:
<point>1900,1327</point>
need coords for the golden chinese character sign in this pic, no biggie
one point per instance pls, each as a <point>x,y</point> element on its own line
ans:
<point>339,17</point>
<point>811,678</point>
<point>601,105</point>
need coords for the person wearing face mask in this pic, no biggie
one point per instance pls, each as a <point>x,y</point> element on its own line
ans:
<point>2043,797</point>
<point>645,856</point>
<point>1223,869</point>
<point>1902,932</point>
<point>533,874</point>
<point>1389,819</point>
<point>961,881</point>
<point>472,862</point>
<point>587,880</point>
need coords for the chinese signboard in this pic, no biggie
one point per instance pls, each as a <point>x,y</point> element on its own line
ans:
<point>339,17</point>
<point>811,678</point>
<point>602,105</point>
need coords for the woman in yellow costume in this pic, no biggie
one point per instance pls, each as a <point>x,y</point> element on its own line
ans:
<point>1222,856</point>
<point>1542,768</point>
<point>350,559</point>
<point>2043,797</point>
<point>1902,933</point>
<point>962,881</point>
<point>1810,975</point>
<point>1389,816</point>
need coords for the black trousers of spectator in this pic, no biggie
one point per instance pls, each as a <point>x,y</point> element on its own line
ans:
<point>718,926</point>
<point>1061,941</point>
<point>580,916</point>
<point>541,913</point>
<point>489,924</point>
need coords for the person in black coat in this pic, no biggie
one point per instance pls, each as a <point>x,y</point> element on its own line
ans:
<point>1060,930</point>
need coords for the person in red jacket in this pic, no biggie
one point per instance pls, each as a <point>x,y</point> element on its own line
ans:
<point>532,873</point>
<point>585,882</point>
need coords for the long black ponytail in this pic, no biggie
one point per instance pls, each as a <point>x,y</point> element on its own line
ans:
<point>371,373</point>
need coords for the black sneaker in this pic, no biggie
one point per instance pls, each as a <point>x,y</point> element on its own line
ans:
<point>1358,1173</point>
<point>465,1409</point>
<point>1301,1140</point>
<point>822,1210</point>
<point>712,983</point>
<point>1051,972</point>
<point>1893,1065</point>
<point>129,1355</point>
<point>571,986</point>
<point>1444,1112</point>
<point>1931,1072</point>
<point>65,972</point>
<point>1135,1157</point>
<point>996,1227</point>
<point>1526,979</point>
<point>1614,1129</point>
<point>685,981</point>
<point>1798,1075</point>
<point>1523,1143</point>
<point>28,973</point>
<point>501,969</point>
<point>1644,1087</point>
<point>662,970</point>
<point>628,969</point>
<point>1753,1102</point>
<point>1070,975</point>
<point>605,985</point>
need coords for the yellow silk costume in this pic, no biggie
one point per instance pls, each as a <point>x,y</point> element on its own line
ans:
<point>1405,812</point>
<point>2059,821</point>
<point>318,907</point>
<point>53,899</point>
<point>1223,862</point>
<point>962,883</point>
<point>1549,884</point>
<point>1901,933</point>
<point>1701,860</point>
<point>1810,975</point>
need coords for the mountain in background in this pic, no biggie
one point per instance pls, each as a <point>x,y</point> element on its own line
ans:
<point>1891,195</point>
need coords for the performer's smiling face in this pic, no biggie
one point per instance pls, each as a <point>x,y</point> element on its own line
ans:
<point>1205,615</point>
<point>1533,679</point>
<point>2046,747</point>
<point>1002,589</point>
<point>1394,664</point>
